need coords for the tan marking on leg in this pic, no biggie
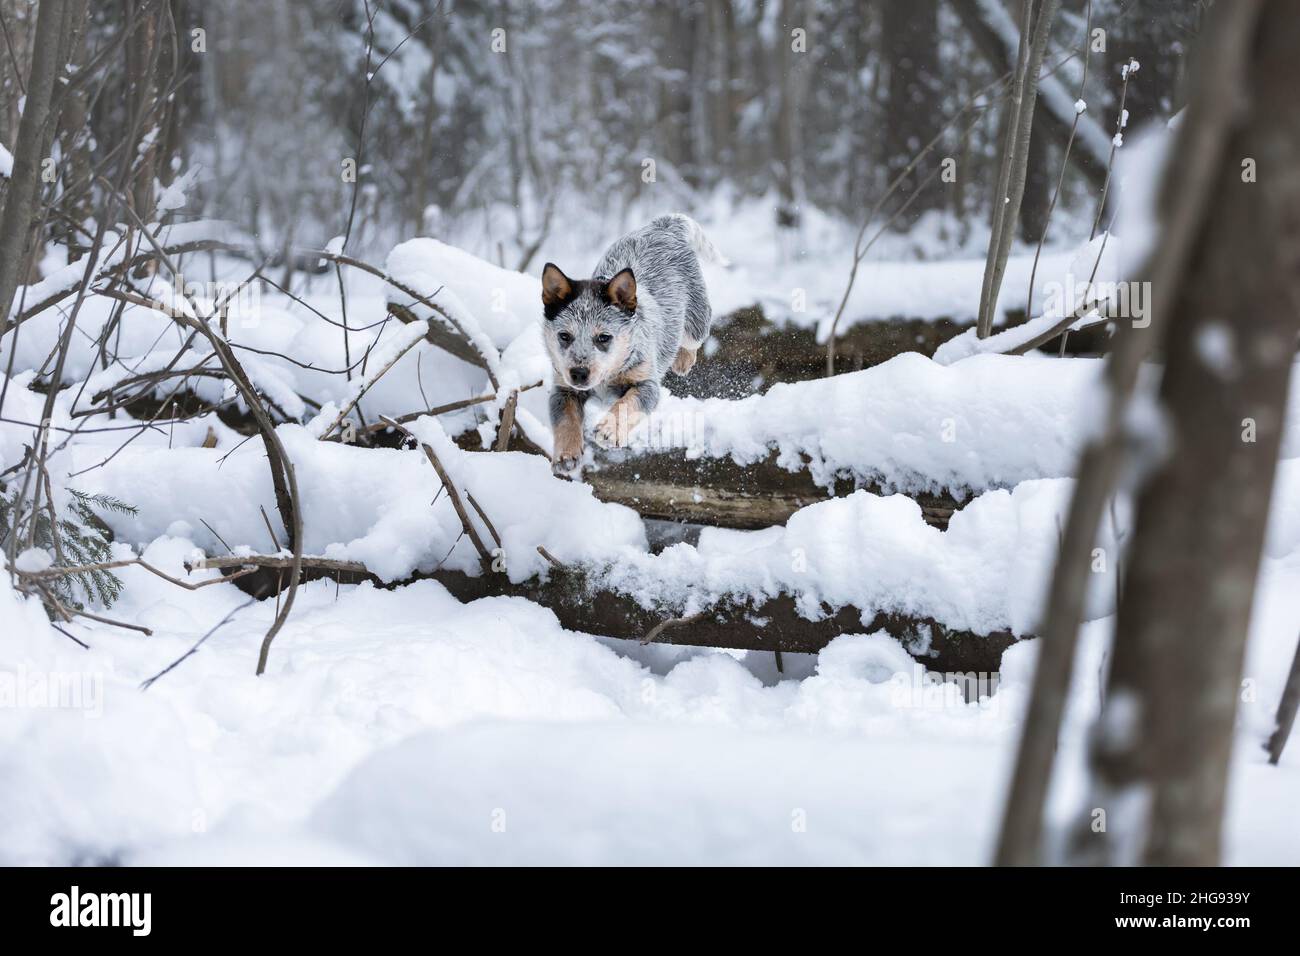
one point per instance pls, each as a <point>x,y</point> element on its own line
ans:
<point>614,429</point>
<point>625,414</point>
<point>568,439</point>
<point>685,360</point>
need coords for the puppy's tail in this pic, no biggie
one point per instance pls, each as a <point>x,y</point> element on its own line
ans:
<point>694,235</point>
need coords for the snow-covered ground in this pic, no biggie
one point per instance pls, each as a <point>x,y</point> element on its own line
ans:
<point>401,726</point>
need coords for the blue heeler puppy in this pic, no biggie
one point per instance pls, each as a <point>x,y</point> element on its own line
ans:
<point>617,334</point>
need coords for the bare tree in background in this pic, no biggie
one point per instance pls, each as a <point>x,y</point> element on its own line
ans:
<point>789,161</point>
<point>37,124</point>
<point>1036,28</point>
<point>912,95</point>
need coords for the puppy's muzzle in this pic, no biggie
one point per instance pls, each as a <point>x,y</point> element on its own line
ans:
<point>580,376</point>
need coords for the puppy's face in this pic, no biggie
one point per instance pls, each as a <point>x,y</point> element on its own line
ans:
<point>588,328</point>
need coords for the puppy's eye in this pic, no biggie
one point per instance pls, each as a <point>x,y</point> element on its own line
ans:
<point>603,339</point>
<point>565,338</point>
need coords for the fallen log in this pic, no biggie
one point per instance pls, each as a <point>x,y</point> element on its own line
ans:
<point>751,348</point>
<point>717,491</point>
<point>442,336</point>
<point>581,604</point>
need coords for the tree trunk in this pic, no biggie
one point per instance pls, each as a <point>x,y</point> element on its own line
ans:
<point>1037,27</point>
<point>142,53</point>
<point>914,97</point>
<point>20,21</point>
<point>1183,202</point>
<point>37,121</point>
<point>75,138</point>
<point>1038,185</point>
<point>1186,609</point>
<point>1092,143</point>
<point>789,165</point>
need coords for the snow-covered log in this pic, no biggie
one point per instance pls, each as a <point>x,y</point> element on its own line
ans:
<point>722,493</point>
<point>909,425</point>
<point>582,604</point>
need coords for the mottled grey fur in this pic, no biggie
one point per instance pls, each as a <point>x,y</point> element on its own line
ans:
<point>672,312</point>
<point>671,296</point>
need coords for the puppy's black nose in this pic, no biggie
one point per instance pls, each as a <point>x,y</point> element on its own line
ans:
<point>578,375</point>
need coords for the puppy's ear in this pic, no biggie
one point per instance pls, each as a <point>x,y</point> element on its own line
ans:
<point>556,286</point>
<point>622,290</point>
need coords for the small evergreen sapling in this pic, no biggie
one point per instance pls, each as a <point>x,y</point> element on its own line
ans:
<point>79,537</point>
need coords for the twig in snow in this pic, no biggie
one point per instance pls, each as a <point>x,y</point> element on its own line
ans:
<point>1129,69</point>
<point>555,562</point>
<point>145,685</point>
<point>443,409</point>
<point>1286,711</point>
<point>662,626</point>
<point>217,536</point>
<point>269,530</point>
<point>484,556</point>
<point>367,385</point>
<point>507,421</point>
<point>486,520</point>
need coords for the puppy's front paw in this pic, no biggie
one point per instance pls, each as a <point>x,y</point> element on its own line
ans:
<point>567,462</point>
<point>615,429</point>
<point>685,360</point>
<point>569,467</point>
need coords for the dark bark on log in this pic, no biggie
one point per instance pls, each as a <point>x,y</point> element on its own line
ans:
<point>751,347</point>
<point>441,336</point>
<point>717,491</point>
<point>581,605</point>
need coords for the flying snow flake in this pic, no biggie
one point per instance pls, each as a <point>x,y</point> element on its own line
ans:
<point>1216,349</point>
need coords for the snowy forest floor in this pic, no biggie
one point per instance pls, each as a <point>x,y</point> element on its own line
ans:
<point>404,727</point>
